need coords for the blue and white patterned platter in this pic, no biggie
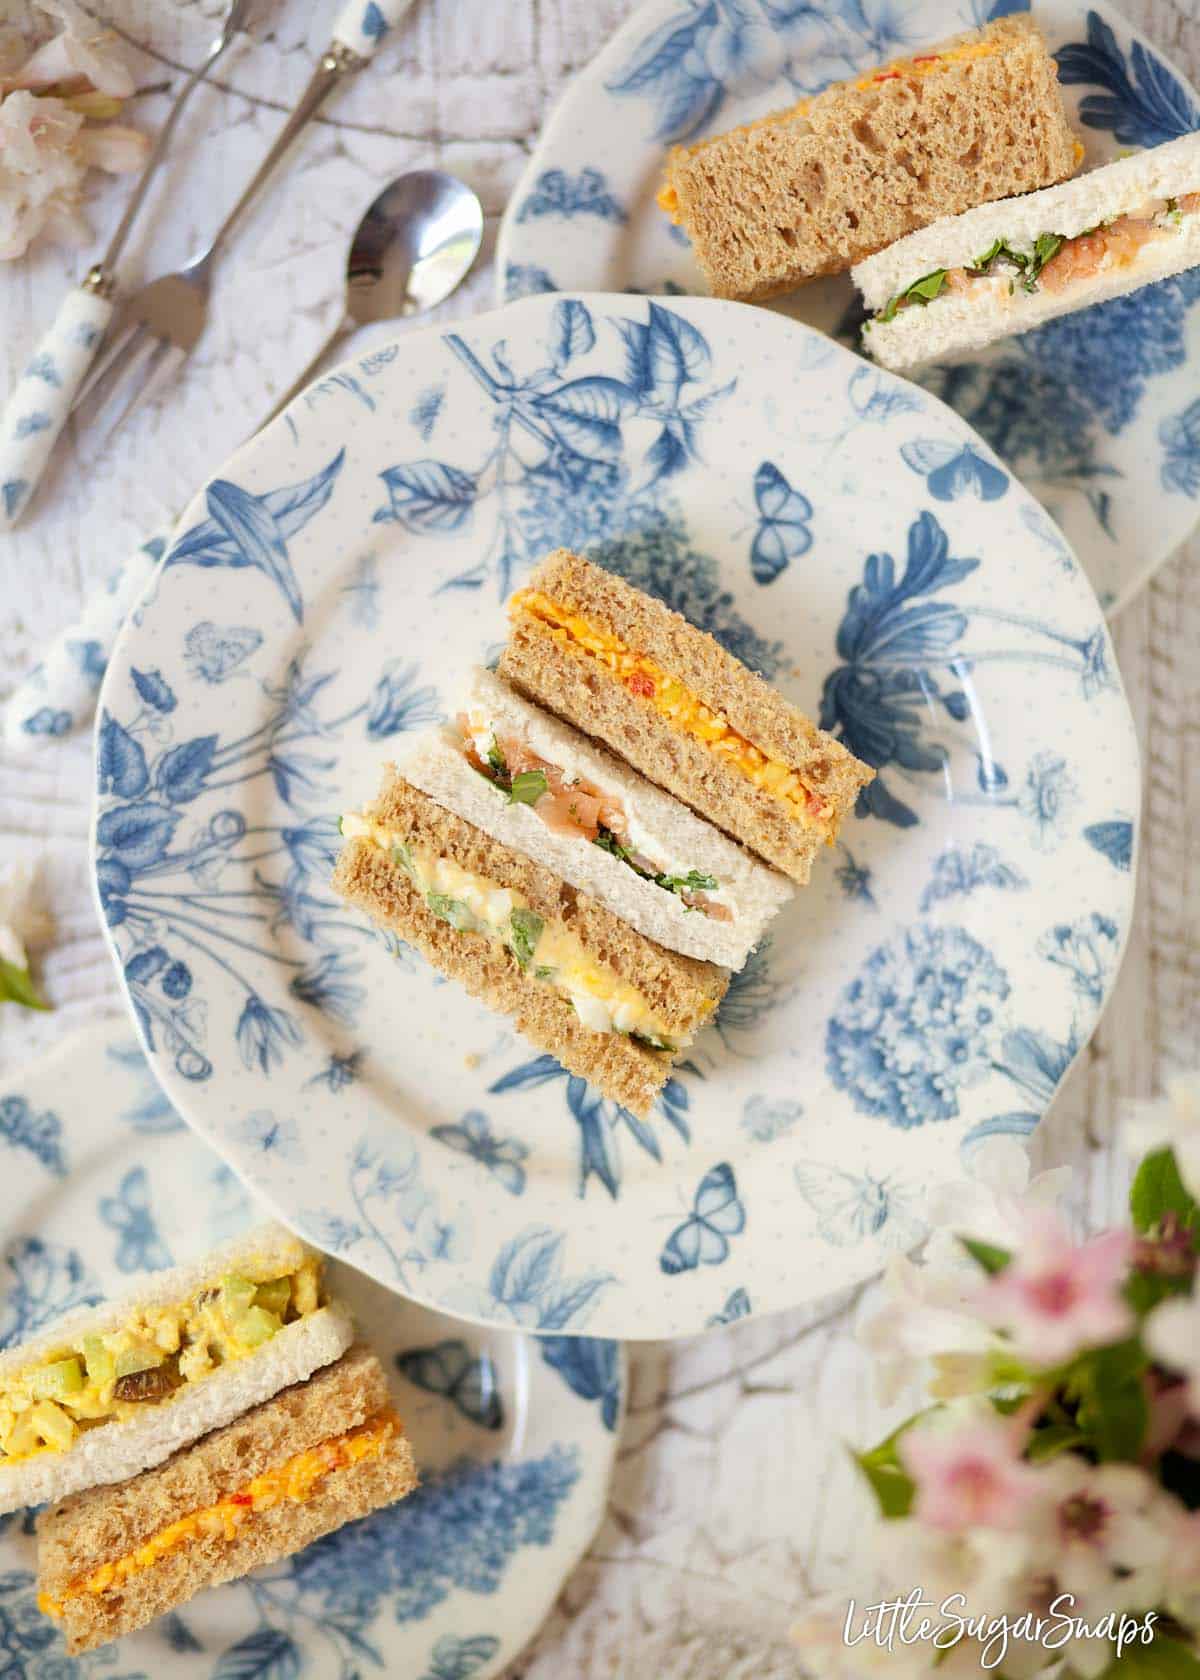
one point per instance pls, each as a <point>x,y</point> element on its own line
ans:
<point>322,598</point>
<point>515,1437</point>
<point>1097,413</point>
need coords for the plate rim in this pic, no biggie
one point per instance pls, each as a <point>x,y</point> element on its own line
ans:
<point>870,1261</point>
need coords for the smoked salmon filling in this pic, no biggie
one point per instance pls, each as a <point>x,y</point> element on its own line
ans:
<point>1055,262</point>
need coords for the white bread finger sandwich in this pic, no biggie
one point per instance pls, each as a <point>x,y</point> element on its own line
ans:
<point>538,785</point>
<point>110,1390</point>
<point>1004,268</point>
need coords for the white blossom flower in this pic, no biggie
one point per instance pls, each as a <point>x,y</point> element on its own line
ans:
<point>1103,1533</point>
<point>1170,1122</point>
<point>1172,1334</point>
<point>23,921</point>
<point>80,52</point>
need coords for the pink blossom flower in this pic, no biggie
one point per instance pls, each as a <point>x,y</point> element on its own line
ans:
<point>969,1475</point>
<point>1056,1297</point>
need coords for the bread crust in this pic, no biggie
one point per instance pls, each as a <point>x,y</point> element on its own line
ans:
<point>102,1524</point>
<point>815,189</point>
<point>682,991</point>
<point>537,664</point>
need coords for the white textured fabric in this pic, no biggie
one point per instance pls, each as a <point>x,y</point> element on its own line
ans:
<point>734,1502</point>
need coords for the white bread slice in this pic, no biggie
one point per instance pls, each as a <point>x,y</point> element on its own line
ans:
<point>118,1450</point>
<point>1167,171</point>
<point>679,839</point>
<point>957,323</point>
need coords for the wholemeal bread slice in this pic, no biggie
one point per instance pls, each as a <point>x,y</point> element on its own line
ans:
<point>88,1530</point>
<point>1152,196</point>
<point>820,186</point>
<point>553,670</point>
<point>659,830</point>
<point>128,1444</point>
<point>680,992</point>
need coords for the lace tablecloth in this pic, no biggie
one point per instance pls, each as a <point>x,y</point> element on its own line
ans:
<point>733,1502</point>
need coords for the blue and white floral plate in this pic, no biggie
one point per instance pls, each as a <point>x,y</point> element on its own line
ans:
<point>515,1437</point>
<point>1098,413</point>
<point>321,599</point>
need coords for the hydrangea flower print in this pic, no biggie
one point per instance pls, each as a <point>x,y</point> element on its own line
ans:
<point>919,1025</point>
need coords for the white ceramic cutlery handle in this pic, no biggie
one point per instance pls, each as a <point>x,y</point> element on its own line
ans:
<point>59,697</point>
<point>38,408</point>
<point>362,24</point>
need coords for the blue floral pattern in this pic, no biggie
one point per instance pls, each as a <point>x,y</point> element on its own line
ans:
<point>399,1124</point>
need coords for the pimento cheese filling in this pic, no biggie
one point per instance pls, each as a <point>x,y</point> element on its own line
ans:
<point>672,699</point>
<point>295,1480</point>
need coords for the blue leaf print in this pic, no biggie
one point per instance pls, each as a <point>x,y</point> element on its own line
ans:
<point>703,1238</point>
<point>40,1134</point>
<point>737,1306</point>
<point>90,659</point>
<point>328,985</point>
<point>585,416</point>
<point>14,492</point>
<point>453,1658</point>
<point>671,66</point>
<point>783,533</point>
<point>1180,438</point>
<point>154,690</point>
<point>245,530</point>
<point>397,704</point>
<point>878,702</point>
<point>526,280</point>
<point>374,25</point>
<point>567,1301</point>
<point>526,1265</point>
<point>1113,840</point>
<point>30,424</point>
<point>664,353</point>
<point>179,1635</point>
<point>45,368</point>
<point>120,761</point>
<point>950,472</point>
<point>140,1247</point>
<point>137,835</point>
<point>539,1071</point>
<point>591,1367</point>
<point>428,496</point>
<point>47,721</point>
<point>1146,111</point>
<point>451,1371</point>
<point>554,193</point>
<point>574,334</point>
<point>424,413</point>
<point>183,770</point>
<point>256,534</point>
<point>266,1654</point>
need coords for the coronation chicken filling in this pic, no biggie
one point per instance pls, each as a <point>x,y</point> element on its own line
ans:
<point>99,1379</point>
<point>545,949</point>
<point>293,1481</point>
<point>646,680</point>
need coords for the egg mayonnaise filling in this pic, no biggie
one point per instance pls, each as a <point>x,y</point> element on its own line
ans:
<point>546,949</point>
<point>646,680</point>
<point>101,1379</point>
<point>295,1480</point>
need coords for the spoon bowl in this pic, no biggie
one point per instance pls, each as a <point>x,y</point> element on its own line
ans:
<point>414,245</point>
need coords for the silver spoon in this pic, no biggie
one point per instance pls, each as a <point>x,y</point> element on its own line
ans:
<point>414,246</point>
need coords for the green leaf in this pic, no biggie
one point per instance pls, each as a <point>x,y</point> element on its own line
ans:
<point>997,249</point>
<point>526,929</point>
<point>652,1041</point>
<point>497,760</point>
<point>1163,1659</point>
<point>1046,246</point>
<point>1145,1290</point>
<point>541,972</point>
<point>693,881</point>
<point>922,291</point>
<point>16,986</point>
<point>1054,1438</point>
<point>402,856</point>
<point>992,1259</point>
<point>893,1486</point>
<point>528,787</point>
<point>454,911</point>
<point>1157,1189</point>
<point>1112,1413</point>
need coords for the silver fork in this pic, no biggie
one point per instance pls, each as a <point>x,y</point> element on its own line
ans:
<point>158,327</point>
